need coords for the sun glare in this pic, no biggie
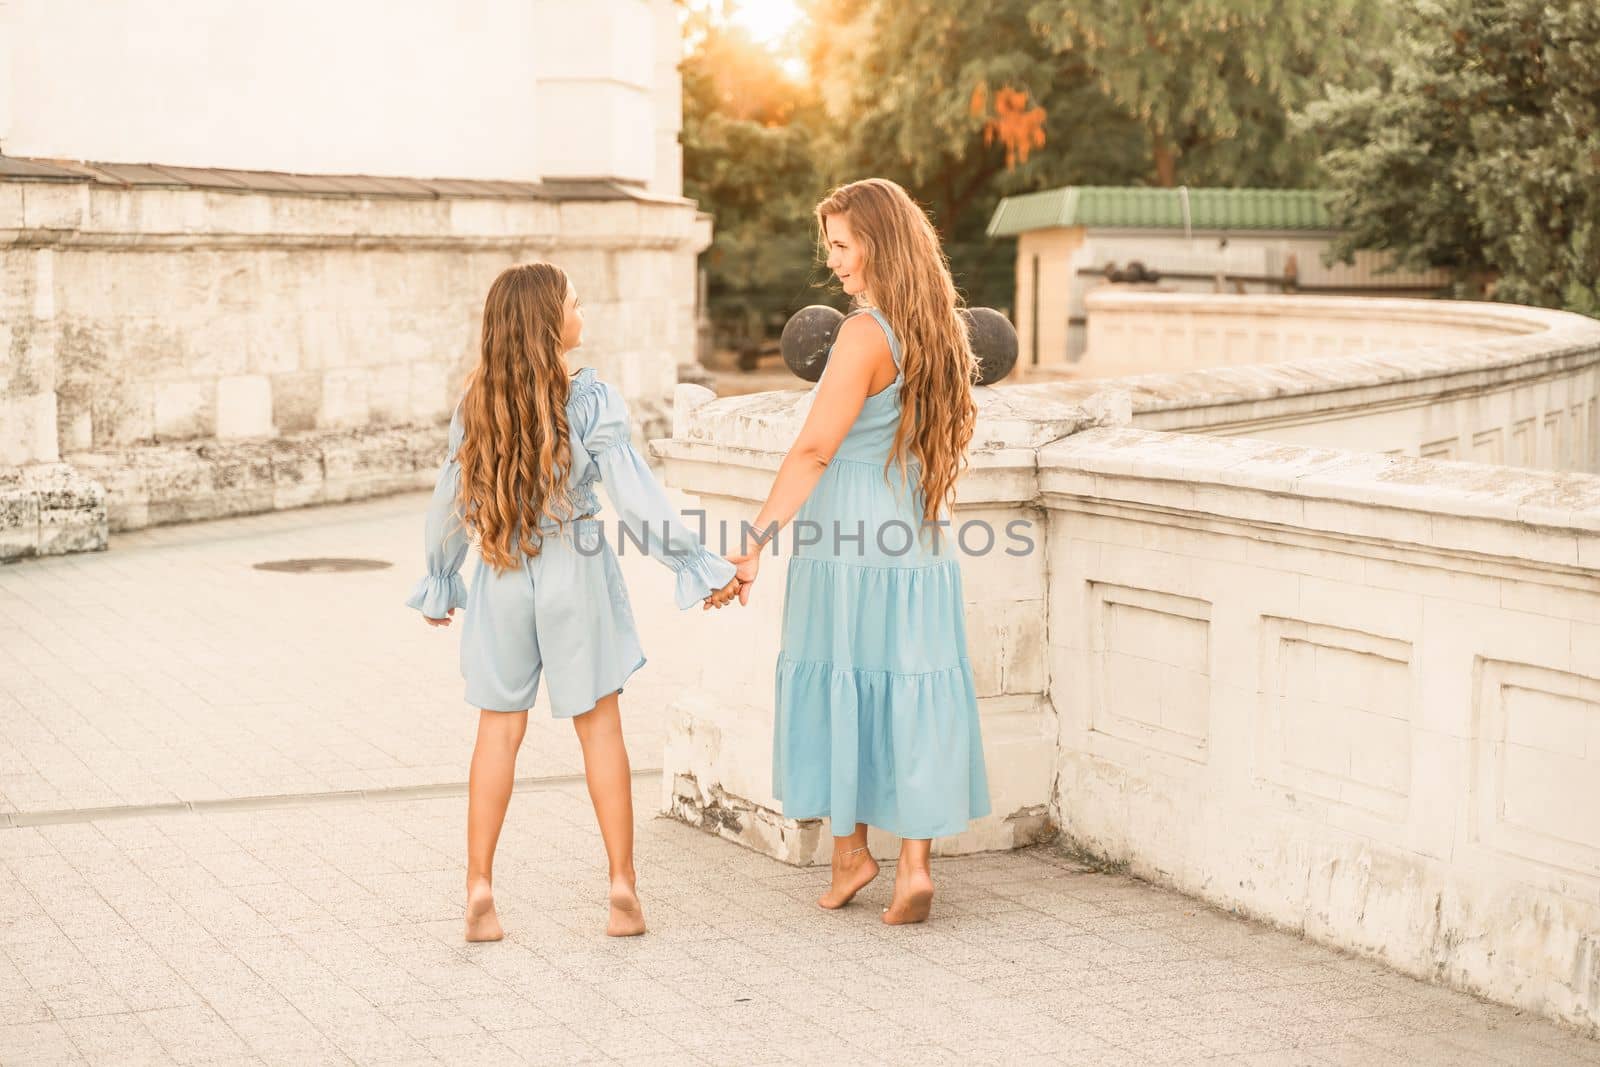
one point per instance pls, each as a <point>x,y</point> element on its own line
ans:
<point>767,21</point>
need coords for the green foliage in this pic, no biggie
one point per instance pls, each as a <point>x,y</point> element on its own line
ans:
<point>749,141</point>
<point>897,84</point>
<point>1460,133</point>
<point>1482,154</point>
<point>1212,84</point>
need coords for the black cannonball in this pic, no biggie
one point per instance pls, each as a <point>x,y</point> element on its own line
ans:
<point>810,333</point>
<point>807,336</point>
<point>994,342</point>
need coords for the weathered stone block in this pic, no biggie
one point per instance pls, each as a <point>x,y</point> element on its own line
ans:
<point>367,464</point>
<point>244,406</point>
<point>389,394</point>
<point>28,428</point>
<point>184,410</point>
<point>296,401</point>
<point>47,206</point>
<point>19,517</point>
<point>50,509</point>
<point>297,475</point>
<point>344,399</point>
<point>433,391</point>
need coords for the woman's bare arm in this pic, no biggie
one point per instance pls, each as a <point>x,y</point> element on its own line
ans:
<point>859,352</point>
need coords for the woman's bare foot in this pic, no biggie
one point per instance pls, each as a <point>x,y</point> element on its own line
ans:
<point>913,897</point>
<point>852,871</point>
<point>627,916</point>
<point>483,924</point>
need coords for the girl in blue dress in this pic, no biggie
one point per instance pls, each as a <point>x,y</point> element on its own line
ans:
<point>876,714</point>
<point>527,444</point>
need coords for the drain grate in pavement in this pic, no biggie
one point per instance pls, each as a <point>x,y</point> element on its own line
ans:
<point>323,565</point>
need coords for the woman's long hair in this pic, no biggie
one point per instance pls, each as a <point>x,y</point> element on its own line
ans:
<point>908,278</point>
<point>515,453</point>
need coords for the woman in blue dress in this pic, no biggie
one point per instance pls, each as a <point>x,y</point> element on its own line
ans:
<point>876,715</point>
<point>527,444</point>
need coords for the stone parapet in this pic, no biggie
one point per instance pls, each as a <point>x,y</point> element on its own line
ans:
<point>1351,694</point>
<point>1492,383</point>
<point>184,338</point>
<point>1347,692</point>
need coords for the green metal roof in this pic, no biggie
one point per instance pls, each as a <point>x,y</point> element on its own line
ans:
<point>1161,209</point>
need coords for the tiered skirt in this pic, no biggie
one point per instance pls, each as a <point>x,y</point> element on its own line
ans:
<point>876,711</point>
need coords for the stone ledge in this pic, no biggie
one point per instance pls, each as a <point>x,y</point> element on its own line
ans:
<point>153,485</point>
<point>1537,517</point>
<point>1518,342</point>
<point>157,484</point>
<point>98,216</point>
<point>227,179</point>
<point>50,509</point>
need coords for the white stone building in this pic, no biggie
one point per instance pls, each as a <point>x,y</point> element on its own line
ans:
<point>1240,241</point>
<point>244,249</point>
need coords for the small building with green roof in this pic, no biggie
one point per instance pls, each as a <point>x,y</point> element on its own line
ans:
<point>1184,240</point>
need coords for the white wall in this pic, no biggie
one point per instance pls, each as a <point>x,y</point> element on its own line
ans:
<point>7,39</point>
<point>147,332</point>
<point>1347,693</point>
<point>499,89</point>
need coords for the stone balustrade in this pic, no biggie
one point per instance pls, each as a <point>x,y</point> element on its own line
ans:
<point>1356,695</point>
<point>1353,693</point>
<point>1491,383</point>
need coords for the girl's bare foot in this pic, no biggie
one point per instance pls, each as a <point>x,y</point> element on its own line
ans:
<point>627,916</point>
<point>913,897</point>
<point>852,871</point>
<point>483,924</point>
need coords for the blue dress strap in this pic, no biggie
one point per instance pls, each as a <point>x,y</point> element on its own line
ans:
<point>894,342</point>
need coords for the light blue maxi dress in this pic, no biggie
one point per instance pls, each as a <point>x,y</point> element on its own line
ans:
<point>876,714</point>
<point>565,612</point>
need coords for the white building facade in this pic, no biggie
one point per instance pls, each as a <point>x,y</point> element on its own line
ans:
<point>243,251</point>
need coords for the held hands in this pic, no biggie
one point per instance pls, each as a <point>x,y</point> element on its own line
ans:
<point>746,566</point>
<point>744,576</point>
<point>720,598</point>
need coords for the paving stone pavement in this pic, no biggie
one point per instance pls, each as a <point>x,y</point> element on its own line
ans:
<point>278,924</point>
<point>331,933</point>
<point>169,670</point>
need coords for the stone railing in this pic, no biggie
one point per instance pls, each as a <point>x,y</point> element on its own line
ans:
<point>719,752</point>
<point>1352,693</point>
<point>1355,695</point>
<point>233,346</point>
<point>1492,383</point>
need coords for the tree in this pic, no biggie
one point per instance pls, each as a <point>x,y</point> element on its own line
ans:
<point>1213,83</point>
<point>749,135</point>
<point>1481,156</point>
<point>921,93</point>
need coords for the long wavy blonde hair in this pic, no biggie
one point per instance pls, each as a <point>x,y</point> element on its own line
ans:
<point>515,454</point>
<point>908,278</point>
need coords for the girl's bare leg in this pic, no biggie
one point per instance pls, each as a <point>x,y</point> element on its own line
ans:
<point>605,768</point>
<point>494,767</point>
<point>913,885</point>
<point>853,868</point>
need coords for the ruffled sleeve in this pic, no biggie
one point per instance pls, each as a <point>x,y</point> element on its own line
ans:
<point>444,538</point>
<point>642,505</point>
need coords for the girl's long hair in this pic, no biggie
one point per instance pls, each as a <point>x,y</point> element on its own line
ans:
<point>908,277</point>
<point>515,454</point>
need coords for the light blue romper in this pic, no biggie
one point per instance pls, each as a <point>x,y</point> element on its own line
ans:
<point>564,612</point>
<point>876,711</point>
